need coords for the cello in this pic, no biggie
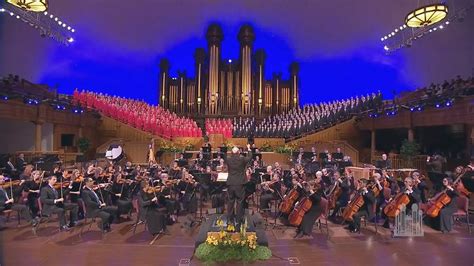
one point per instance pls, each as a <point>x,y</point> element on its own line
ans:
<point>289,200</point>
<point>394,207</point>
<point>441,199</point>
<point>296,216</point>
<point>353,207</point>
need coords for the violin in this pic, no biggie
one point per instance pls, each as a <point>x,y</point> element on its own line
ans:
<point>154,190</point>
<point>11,183</point>
<point>101,185</point>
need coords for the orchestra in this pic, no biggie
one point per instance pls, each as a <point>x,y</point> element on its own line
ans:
<point>166,192</point>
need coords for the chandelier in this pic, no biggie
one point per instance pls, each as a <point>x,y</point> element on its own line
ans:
<point>30,5</point>
<point>426,15</point>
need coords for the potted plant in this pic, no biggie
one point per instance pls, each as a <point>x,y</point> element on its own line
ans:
<point>408,151</point>
<point>83,144</point>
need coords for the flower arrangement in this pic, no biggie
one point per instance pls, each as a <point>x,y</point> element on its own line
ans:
<point>227,245</point>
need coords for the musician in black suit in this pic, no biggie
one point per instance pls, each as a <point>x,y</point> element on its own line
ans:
<point>151,205</point>
<point>366,210</point>
<point>413,194</point>
<point>7,203</point>
<point>384,163</point>
<point>52,203</point>
<point>316,191</point>
<point>345,185</point>
<point>10,169</point>
<point>235,183</point>
<point>96,208</point>
<point>20,163</point>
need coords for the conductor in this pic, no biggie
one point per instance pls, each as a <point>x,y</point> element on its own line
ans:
<point>235,183</point>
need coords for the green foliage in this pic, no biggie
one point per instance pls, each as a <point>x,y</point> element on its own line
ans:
<point>266,147</point>
<point>409,149</point>
<point>211,253</point>
<point>83,144</point>
<point>285,149</point>
<point>169,148</point>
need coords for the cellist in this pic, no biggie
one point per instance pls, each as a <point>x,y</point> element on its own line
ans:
<point>366,209</point>
<point>345,185</point>
<point>315,193</point>
<point>413,195</point>
<point>444,221</point>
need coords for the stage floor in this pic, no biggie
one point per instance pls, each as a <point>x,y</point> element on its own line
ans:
<point>120,247</point>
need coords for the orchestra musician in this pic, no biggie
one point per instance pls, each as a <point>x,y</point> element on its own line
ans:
<point>378,185</point>
<point>175,171</point>
<point>32,187</point>
<point>366,209</point>
<point>413,195</point>
<point>344,183</point>
<point>164,196</point>
<point>20,162</point>
<point>444,221</point>
<point>95,207</point>
<point>315,192</point>
<point>53,203</point>
<point>7,203</point>
<point>235,183</point>
<point>148,201</point>
<point>271,190</point>
<point>420,185</point>
<point>384,163</point>
<point>187,192</point>
<point>121,194</point>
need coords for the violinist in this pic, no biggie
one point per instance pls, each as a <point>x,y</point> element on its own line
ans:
<point>413,194</point>
<point>148,201</point>
<point>121,194</point>
<point>344,183</point>
<point>366,209</point>
<point>270,190</point>
<point>444,221</point>
<point>277,168</point>
<point>7,203</point>
<point>221,167</point>
<point>175,171</point>
<point>257,163</point>
<point>53,202</point>
<point>128,171</point>
<point>164,196</point>
<point>90,171</point>
<point>315,192</point>
<point>96,207</point>
<point>187,191</point>
<point>32,187</point>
